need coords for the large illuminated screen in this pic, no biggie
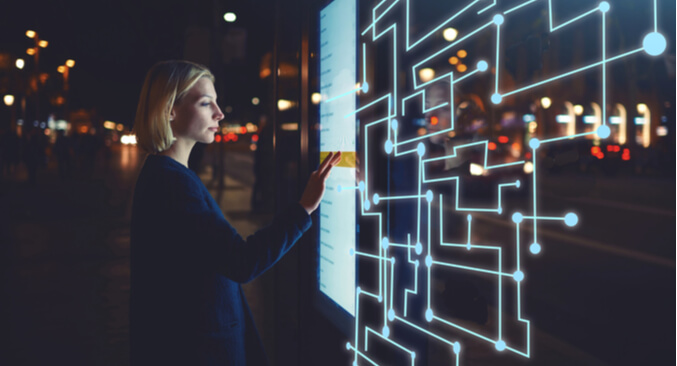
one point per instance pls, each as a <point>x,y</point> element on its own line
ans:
<point>337,210</point>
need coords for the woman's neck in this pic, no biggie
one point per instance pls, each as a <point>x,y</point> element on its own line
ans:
<point>179,151</point>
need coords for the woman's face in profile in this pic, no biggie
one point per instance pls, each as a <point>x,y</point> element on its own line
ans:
<point>196,117</point>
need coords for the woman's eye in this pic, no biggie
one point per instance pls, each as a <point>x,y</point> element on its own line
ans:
<point>205,104</point>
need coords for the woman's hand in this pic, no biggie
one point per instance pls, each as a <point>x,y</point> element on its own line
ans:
<point>315,188</point>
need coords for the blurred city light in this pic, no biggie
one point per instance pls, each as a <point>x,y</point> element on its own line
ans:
<point>283,104</point>
<point>528,167</point>
<point>316,98</point>
<point>70,63</point>
<point>453,60</point>
<point>426,74</point>
<point>43,43</point>
<point>20,63</point>
<point>229,17</point>
<point>30,51</point>
<point>461,68</point>
<point>461,53</point>
<point>291,126</point>
<point>30,34</point>
<point>578,109</point>
<point>546,102</point>
<point>61,69</point>
<point>9,100</point>
<point>641,108</point>
<point>450,34</point>
<point>109,125</point>
<point>476,169</point>
<point>255,101</point>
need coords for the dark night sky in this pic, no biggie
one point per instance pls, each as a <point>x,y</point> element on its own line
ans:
<point>114,43</point>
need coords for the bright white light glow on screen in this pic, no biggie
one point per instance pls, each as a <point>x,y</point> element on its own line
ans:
<point>338,39</point>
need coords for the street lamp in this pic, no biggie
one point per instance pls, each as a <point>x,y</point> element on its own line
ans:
<point>35,51</point>
<point>9,100</point>
<point>20,63</point>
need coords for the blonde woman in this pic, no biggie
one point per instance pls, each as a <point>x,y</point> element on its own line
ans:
<point>187,262</point>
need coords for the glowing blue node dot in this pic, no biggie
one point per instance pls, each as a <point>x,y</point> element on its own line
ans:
<point>534,143</point>
<point>359,289</point>
<point>535,248</point>
<point>393,124</point>
<point>348,345</point>
<point>339,188</point>
<point>518,276</point>
<point>420,149</point>
<point>380,298</point>
<point>416,263</point>
<point>391,314</point>
<point>469,218</point>
<point>413,355</point>
<point>365,87</point>
<point>457,347</point>
<point>496,98</point>
<point>517,217</point>
<point>498,19</point>
<point>385,243</point>
<point>500,345</point>
<point>360,186</point>
<point>352,251</point>
<point>500,210</point>
<point>468,247</point>
<point>386,331</point>
<point>571,219</point>
<point>517,184</point>
<point>388,146</point>
<point>376,198</point>
<point>654,44</point>
<point>355,363</point>
<point>392,260</point>
<point>482,66</point>
<point>419,248</point>
<point>429,196</point>
<point>604,6</point>
<point>428,260</point>
<point>429,315</point>
<point>367,204</point>
<point>603,131</point>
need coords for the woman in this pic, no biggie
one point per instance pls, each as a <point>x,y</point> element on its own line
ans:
<point>187,261</point>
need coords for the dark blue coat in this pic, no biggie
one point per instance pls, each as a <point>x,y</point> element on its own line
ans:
<point>187,263</point>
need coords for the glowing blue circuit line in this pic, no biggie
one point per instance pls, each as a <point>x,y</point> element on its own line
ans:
<point>464,329</point>
<point>387,96</point>
<point>393,27</point>
<point>366,348</point>
<point>413,68</point>
<point>358,353</point>
<point>409,97</point>
<point>604,68</point>
<point>349,188</point>
<point>374,256</point>
<point>498,54</point>
<point>357,319</point>
<point>424,331</point>
<point>399,197</point>
<point>568,137</point>
<point>553,218</point>
<point>392,280</point>
<point>364,63</point>
<point>409,291</point>
<point>474,269</point>
<point>655,17</point>
<point>487,8</point>
<point>385,290</point>
<point>435,107</point>
<point>342,95</point>
<point>424,137</point>
<point>500,294</point>
<point>519,6</point>
<point>489,167</point>
<point>399,245</point>
<point>466,76</point>
<point>469,232</point>
<point>437,28</point>
<point>590,12</point>
<point>375,20</point>
<point>533,153</point>
<point>500,187</point>
<point>603,62</point>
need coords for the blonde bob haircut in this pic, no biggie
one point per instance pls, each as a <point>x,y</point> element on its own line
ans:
<point>166,83</point>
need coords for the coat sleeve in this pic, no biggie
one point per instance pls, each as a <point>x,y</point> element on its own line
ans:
<point>212,243</point>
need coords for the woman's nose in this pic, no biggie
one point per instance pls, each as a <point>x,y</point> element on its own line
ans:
<point>219,115</point>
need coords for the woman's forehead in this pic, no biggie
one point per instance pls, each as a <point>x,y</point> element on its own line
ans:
<point>202,87</point>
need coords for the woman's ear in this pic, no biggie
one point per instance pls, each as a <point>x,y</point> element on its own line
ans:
<point>172,114</point>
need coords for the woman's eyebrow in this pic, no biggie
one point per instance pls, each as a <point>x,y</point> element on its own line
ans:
<point>208,96</point>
